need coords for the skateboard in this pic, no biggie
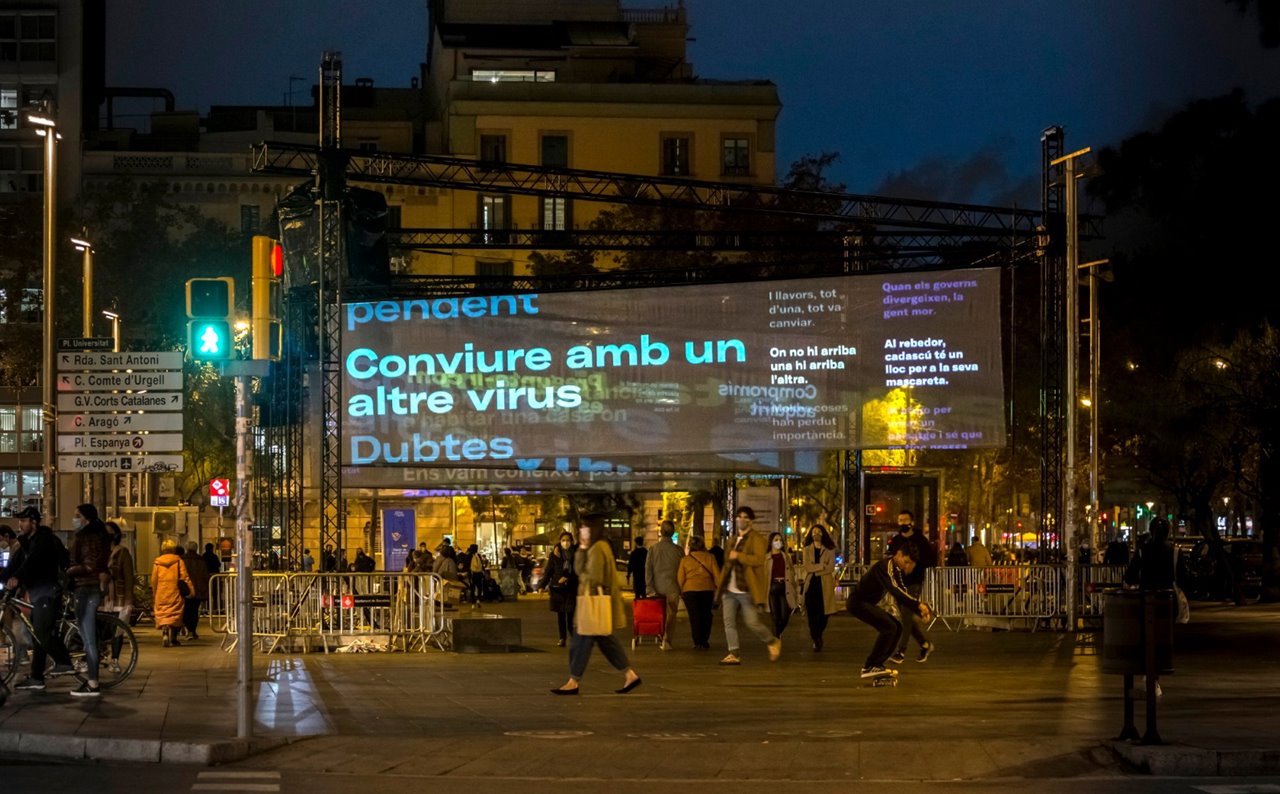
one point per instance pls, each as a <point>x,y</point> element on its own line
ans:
<point>889,678</point>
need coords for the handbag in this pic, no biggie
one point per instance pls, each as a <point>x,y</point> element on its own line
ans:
<point>593,614</point>
<point>1184,607</point>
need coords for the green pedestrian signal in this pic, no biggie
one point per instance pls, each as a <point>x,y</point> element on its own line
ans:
<point>1140,512</point>
<point>210,309</point>
<point>210,340</point>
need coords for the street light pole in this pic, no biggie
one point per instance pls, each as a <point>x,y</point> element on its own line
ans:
<point>84,246</point>
<point>115,329</point>
<point>1072,311</point>
<point>47,127</point>
<point>1094,273</point>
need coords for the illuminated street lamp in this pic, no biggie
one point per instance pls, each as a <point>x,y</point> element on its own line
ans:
<point>43,120</point>
<point>115,329</point>
<point>85,247</point>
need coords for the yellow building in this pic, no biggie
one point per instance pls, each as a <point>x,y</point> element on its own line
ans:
<point>584,85</point>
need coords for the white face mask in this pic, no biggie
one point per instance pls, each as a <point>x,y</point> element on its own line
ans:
<point>777,545</point>
<point>77,522</point>
<point>584,535</point>
<point>740,523</point>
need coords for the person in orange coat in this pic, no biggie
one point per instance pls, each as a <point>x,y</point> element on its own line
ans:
<point>168,575</point>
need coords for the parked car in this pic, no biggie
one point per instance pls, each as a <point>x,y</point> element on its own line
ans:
<point>1202,575</point>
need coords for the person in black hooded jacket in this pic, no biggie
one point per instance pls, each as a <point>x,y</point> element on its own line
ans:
<point>37,569</point>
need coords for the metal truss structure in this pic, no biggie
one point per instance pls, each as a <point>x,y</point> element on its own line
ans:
<point>850,233</point>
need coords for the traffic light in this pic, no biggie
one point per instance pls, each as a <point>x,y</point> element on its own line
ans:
<point>268,267</point>
<point>210,307</point>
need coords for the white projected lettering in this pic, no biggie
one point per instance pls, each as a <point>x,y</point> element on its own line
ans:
<point>900,360</point>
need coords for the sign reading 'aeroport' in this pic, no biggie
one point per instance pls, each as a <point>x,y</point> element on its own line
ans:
<point>885,361</point>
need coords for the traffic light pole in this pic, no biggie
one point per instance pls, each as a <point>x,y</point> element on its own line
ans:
<point>244,576</point>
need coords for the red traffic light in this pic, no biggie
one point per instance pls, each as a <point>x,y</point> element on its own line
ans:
<point>277,260</point>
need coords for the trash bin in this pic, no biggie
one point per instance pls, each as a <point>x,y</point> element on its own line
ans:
<point>1124,633</point>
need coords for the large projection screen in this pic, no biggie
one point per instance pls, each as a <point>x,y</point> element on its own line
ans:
<point>904,360</point>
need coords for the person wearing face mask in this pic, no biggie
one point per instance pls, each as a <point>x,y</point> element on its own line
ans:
<point>90,552</point>
<point>782,584</point>
<point>927,557</point>
<point>561,582</point>
<point>593,563</point>
<point>744,586</point>
<point>819,581</point>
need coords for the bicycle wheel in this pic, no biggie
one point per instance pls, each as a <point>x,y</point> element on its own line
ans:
<point>117,650</point>
<point>8,656</point>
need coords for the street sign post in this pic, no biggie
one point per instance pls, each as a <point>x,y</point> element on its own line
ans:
<point>163,359</point>
<point>120,464</point>
<point>220,492</point>
<point>86,343</point>
<point>119,422</point>
<point>120,442</point>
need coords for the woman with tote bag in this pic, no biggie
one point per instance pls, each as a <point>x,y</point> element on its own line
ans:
<point>599,609</point>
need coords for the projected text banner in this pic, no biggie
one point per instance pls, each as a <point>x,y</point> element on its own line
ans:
<point>901,360</point>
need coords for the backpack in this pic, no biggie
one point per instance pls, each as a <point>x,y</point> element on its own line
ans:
<point>477,564</point>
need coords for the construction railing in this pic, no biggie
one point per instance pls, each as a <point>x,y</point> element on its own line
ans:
<point>1003,594</point>
<point>329,610</point>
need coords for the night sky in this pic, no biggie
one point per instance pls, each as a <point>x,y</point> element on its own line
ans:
<point>921,98</point>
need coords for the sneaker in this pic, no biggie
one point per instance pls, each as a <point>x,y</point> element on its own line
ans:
<point>86,691</point>
<point>730,658</point>
<point>114,666</point>
<point>925,650</point>
<point>29,683</point>
<point>666,645</point>
<point>61,669</point>
<point>877,672</point>
<point>775,649</point>
<point>898,657</point>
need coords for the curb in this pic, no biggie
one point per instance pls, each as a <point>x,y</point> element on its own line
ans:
<point>1184,761</point>
<point>156,751</point>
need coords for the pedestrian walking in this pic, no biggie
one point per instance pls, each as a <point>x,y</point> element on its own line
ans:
<point>956,556</point>
<point>782,584</point>
<point>885,577</point>
<point>199,590</point>
<point>594,566</point>
<point>170,583</point>
<point>89,554</point>
<point>308,562</point>
<point>1153,570</point>
<point>926,557</point>
<point>744,587</point>
<point>819,566</point>
<point>697,578</point>
<point>979,555</point>
<point>119,597</point>
<point>363,563</point>
<point>561,582</point>
<point>636,562</point>
<point>660,575</point>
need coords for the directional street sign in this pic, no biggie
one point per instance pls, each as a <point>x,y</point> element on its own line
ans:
<point>89,343</point>
<point>119,401</point>
<point>120,442</point>
<point>165,359</point>
<point>117,381</point>
<point>118,423</point>
<point>120,463</point>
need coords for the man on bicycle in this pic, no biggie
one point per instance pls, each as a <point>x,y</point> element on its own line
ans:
<point>43,559</point>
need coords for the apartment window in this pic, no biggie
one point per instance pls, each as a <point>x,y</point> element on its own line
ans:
<point>555,214</point>
<point>494,215</point>
<point>554,211</point>
<point>676,160</point>
<point>512,76</point>
<point>13,498</point>
<point>20,436</point>
<point>368,145</point>
<point>8,109</point>
<point>493,148</point>
<point>494,268</point>
<point>28,37</point>
<point>735,157</point>
<point>250,218</point>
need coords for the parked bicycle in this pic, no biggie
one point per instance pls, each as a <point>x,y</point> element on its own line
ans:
<point>117,647</point>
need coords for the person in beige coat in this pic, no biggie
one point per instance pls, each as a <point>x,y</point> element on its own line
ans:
<point>168,572</point>
<point>596,571</point>
<point>744,586</point>
<point>819,566</point>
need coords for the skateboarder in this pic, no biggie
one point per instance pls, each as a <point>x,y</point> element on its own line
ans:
<point>885,577</point>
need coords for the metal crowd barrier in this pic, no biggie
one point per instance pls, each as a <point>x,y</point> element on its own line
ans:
<point>1094,580</point>
<point>405,609</point>
<point>1006,594</point>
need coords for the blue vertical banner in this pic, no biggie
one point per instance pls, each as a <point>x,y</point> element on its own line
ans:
<point>399,536</point>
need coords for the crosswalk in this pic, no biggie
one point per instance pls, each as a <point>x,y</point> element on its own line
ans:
<point>216,780</point>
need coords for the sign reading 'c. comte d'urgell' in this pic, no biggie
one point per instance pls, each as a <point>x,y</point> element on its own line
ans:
<point>900,360</point>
